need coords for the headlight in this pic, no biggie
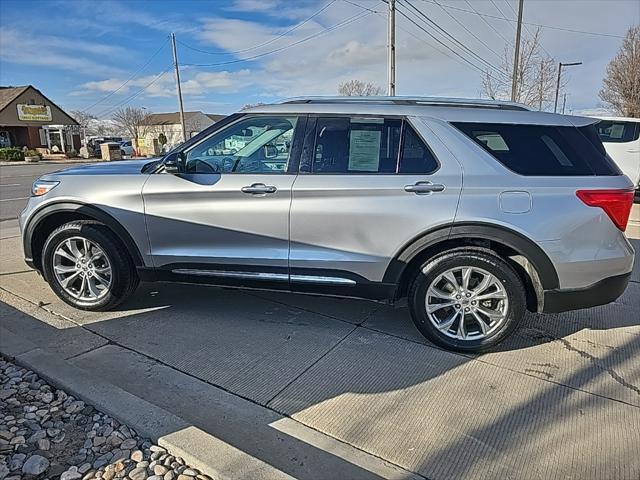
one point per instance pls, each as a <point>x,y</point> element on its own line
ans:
<point>40,187</point>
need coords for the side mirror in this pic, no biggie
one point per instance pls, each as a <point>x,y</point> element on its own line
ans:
<point>174,162</point>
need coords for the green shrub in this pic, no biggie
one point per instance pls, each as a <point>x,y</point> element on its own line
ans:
<point>32,153</point>
<point>71,154</point>
<point>11,154</point>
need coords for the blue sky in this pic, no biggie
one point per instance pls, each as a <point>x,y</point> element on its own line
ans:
<point>98,55</point>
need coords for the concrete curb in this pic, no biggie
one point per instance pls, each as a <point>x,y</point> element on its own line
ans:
<point>197,447</point>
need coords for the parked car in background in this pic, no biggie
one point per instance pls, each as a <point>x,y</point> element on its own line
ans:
<point>621,139</point>
<point>126,148</point>
<point>473,210</point>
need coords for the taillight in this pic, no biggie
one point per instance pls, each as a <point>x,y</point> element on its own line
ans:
<point>616,203</point>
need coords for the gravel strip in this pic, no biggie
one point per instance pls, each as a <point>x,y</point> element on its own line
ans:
<point>47,434</point>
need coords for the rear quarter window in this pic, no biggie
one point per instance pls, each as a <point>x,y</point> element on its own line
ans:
<point>543,150</point>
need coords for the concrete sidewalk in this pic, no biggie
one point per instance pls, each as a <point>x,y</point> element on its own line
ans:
<point>309,387</point>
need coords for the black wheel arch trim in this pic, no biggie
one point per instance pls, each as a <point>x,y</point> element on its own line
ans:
<point>475,230</point>
<point>90,211</point>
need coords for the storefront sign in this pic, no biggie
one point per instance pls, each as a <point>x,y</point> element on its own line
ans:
<point>34,113</point>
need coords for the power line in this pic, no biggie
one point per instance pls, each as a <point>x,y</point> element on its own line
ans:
<point>551,27</point>
<point>454,39</point>
<point>464,59</point>
<point>508,42</point>
<point>499,10</point>
<point>112,108</point>
<point>468,31</point>
<point>409,32</point>
<point>109,95</point>
<point>527,29</point>
<point>268,42</point>
<point>349,20</point>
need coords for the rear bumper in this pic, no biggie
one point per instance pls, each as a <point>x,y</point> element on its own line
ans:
<point>600,293</point>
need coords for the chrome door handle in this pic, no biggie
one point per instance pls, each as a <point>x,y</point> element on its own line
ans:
<point>424,188</point>
<point>258,188</point>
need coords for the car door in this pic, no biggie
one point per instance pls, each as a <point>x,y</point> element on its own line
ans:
<point>367,187</point>
<point>226,213</point>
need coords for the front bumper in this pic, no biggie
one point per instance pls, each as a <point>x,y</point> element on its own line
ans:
<point>600,293</point>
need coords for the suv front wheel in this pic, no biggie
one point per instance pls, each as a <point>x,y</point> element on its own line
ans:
<point>87,267</point>
<point>466,299</point>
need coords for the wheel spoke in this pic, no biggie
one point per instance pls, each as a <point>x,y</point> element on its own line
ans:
<point>73,248</point>
<point>436,292</point>
<point>486,282</point>
<point>481,323</point>
<point>64,268</point>
<point>491,296</point>
<point>461,332</point>
<point>492,314</point>
<point>65,282</point>
<point>434,307</point>
<point>446,325</point>
<point>451,278</point>
<point>93,288</point>
<point>466,275</point>
<point>86,246</point>
<point>101,279</point>
<point>61,252</point>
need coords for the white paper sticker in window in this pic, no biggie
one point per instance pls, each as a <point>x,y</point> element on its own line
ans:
<point>364,150</point>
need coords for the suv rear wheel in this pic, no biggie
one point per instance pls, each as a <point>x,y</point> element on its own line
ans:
<point>466,299</point>
<point>87,267</point>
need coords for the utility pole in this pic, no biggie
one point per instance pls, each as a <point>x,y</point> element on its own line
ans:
<point>516,56</point>
<point>564,101</point>
<point>179,88</point>
<point>391,45</point>
<point>560,65</point>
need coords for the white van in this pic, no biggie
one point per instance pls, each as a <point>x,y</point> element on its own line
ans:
<point>621,139</point>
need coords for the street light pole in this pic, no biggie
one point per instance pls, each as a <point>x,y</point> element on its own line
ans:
<point>391,39</point>
<point>560,65</point>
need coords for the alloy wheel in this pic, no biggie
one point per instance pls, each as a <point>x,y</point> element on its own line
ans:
<point>82,269</point>
<point>467,303</point>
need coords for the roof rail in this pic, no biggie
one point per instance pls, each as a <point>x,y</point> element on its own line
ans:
<point>425,101</point>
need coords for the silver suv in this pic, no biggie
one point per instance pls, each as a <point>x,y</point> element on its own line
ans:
<point>475,211</point>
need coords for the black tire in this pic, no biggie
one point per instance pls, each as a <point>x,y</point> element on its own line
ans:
<point>124,279</point>
<point>467,257</point>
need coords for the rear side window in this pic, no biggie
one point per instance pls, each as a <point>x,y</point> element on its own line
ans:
<point>543,150</point>
<point>344,145</point>
<point>612,131</point>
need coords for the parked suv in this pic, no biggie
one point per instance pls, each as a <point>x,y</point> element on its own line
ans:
<point>475,211</point>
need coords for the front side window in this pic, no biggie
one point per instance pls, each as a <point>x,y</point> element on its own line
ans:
<point>260,144</point>
<point>611,131</point>
<point>344,145</point>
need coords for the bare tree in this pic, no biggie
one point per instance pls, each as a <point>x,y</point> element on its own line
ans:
<point>358,88</point>
<point>535,85</point>
<point>131,120</point>
<point>83,118</point>
<point>621,86</point>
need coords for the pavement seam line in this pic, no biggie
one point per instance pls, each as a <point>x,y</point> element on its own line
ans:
<point>160,362</point>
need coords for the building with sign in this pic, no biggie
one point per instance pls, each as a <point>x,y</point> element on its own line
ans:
<point>29,119</point>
